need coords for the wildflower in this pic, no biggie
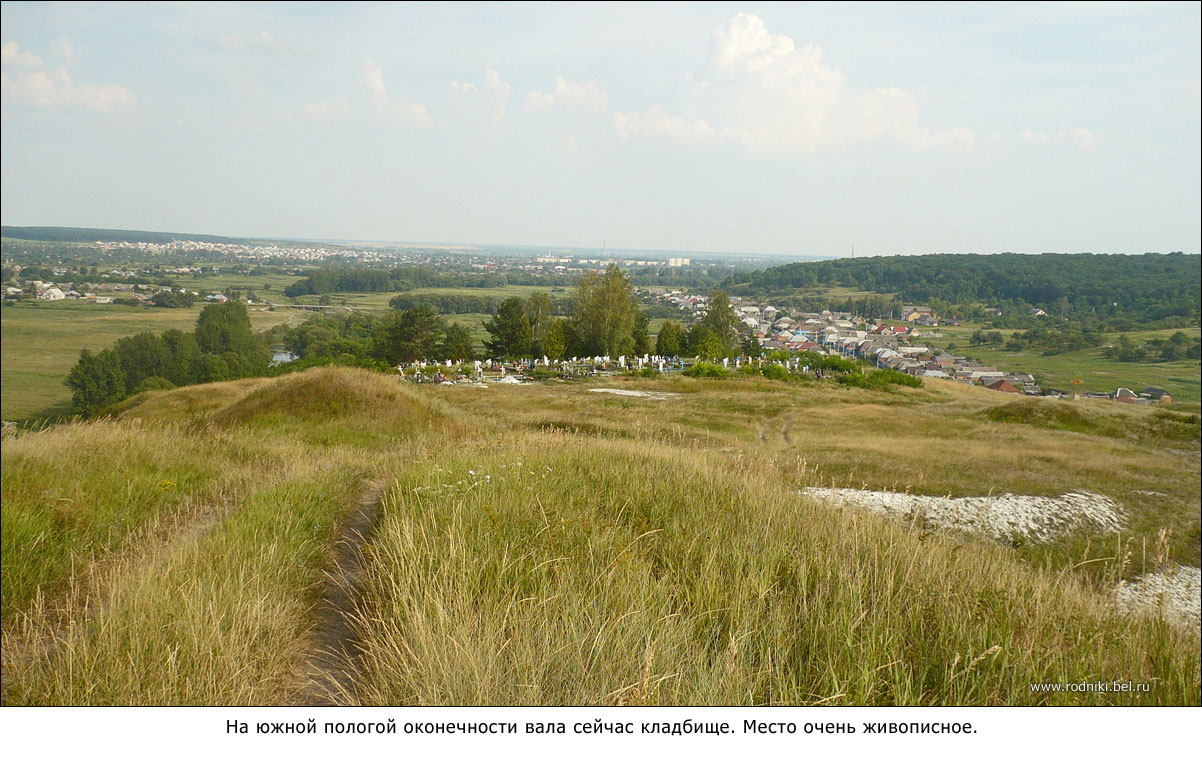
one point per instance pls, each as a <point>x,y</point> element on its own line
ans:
<point>166,485</point>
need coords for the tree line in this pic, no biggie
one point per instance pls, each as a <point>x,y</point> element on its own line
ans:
<point>604,320</point>
<point>221,348</point>
<point>464,303</point>
<point>601,317</point>
<point>1143,288</point>
<point>406,278</point>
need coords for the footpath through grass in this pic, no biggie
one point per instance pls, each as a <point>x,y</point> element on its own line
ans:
<point>172,556</point>
<point>549,545</point>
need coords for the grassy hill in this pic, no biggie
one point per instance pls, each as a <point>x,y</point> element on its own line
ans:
<point>548,544</point>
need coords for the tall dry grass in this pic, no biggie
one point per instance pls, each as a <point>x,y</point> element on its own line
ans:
<point>584,571</point>
<point>605,550</point>
<point>172,556</point>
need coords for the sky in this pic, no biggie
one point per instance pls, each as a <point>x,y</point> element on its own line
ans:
<point>799,129</point>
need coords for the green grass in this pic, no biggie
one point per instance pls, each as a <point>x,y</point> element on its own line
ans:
<point>1182,378</point>
<point>40,343</point>
<point>606,550</point>
<point>171,557</point>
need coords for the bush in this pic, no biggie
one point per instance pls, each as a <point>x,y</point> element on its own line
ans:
<point>885,376</point>
<point>651,373</point>
<point>707,370</point>
<point>776,372</point>
<point>154,383</point>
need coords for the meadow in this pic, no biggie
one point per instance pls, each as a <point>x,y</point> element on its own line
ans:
<point>40,343</point>
<point>545,544</point>
<point>1181,378</point>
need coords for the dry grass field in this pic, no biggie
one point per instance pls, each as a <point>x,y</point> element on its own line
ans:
<point>545,544</point>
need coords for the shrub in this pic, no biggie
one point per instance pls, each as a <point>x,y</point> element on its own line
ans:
<point>707,370</point>
<point>776,372</point>
<point>885,376</point>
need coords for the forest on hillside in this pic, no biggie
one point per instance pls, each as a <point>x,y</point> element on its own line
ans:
<point>1143,288</point>
<point>80,234</point>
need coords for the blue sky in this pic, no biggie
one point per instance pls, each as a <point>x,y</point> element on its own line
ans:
<point>794,129</point>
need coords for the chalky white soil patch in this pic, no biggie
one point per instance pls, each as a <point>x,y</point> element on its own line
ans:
<point>1009,518</point>
<point>1177,592</point>
<point>637,393</point>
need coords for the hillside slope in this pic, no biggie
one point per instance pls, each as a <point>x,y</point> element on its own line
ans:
<point>548,544</point>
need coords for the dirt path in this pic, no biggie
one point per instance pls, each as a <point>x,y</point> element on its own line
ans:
<point>330,667</point>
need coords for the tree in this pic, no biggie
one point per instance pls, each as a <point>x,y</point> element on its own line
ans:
<point>705,344</point>
<point>170,299</point>
<point>408,335</point>
<point>603,313</point>
<point>211,367</point>
<point>670,341</point>
<point>184,352</point>
<point>142,356</point>
<point>225,328</point>
<point>751,347</point>
<point>641,334</point>
<point>96,381</point>
<point>510,330</point>
<point>539,308</point>
<point>555,345</point>
<point>458,343</point>
<point>721,319</point>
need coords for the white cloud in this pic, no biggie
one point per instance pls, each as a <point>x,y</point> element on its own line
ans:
<point>388,105</point>
<point>26,80</point>
<point>498,94</point>
<point>581,97</point>
<point>12,56</point>
<point>63,48</point>
<point>655,122</point>
<point>494,92</point>
<point>326,111</point>
<point>264,41</point>
<point>538,102</point>
<point>1083,138</point>
<point>767,94</point>
<point>586,98</point>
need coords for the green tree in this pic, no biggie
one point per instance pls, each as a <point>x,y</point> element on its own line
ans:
<point>641,334</point>
<point>226,328</point>
<point>96,381</point>
<point>670,341</point>
<point>408,335</point>
<point>704,343</point>
<point>721,319</point>
<point>603,313</point>
<point>555,345</point>
<point>539,308</point>
<point>184,353</point>
<point>509,329</point>
<point>750,347</point>
<point>212,367</point>
<point>142,356</point>
<point>458,343</point>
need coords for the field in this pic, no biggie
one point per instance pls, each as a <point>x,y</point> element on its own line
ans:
<point>1182,378</point>
<point>546,544</point>
<point>40,343</point>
